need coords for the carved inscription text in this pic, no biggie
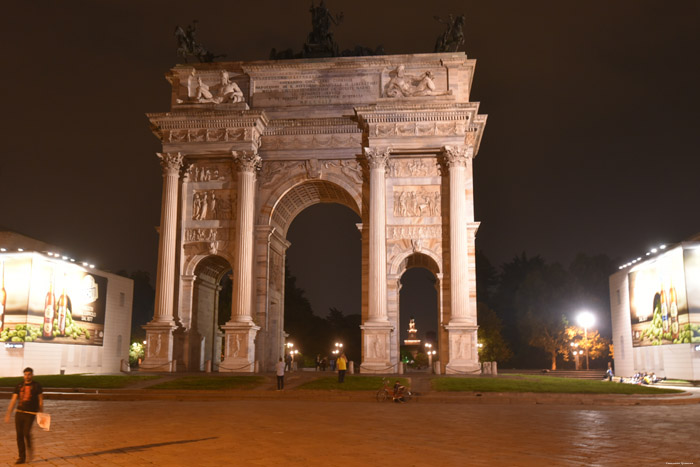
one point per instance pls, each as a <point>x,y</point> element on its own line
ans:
<point>314,88</point>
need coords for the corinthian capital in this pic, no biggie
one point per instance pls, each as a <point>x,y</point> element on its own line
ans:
<point>170,162</point>
<point>247,161</point>
<point>377,157</point>
<point>456,156</point>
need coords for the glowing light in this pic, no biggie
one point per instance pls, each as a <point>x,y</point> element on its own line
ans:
<point>654,250</point>
<point>585,319</point>
<point>92,266</point>
<point>662,247</point>
<point>20,249</point>
<point>64,257</point>
<point>84,263</point>
<point>3,249</point>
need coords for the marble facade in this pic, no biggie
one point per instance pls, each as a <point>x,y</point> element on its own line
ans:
<point>390,137</point>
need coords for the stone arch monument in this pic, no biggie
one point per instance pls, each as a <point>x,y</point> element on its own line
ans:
<point>248,145</point>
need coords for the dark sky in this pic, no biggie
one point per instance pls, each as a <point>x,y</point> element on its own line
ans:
<point>591,143</point>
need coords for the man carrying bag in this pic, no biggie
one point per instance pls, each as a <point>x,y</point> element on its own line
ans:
<point>29,398</point>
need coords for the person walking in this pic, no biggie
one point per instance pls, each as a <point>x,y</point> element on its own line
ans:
<point>30,399</point>
<point>280,374</point>
<point>342,365</point>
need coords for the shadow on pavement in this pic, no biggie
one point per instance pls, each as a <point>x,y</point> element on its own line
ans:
<point>126,449</point>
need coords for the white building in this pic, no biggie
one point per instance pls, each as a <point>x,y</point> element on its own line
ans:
<point>59,314</point>
<point>655,304</point>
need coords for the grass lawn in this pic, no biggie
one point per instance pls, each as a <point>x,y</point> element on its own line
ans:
<point>550,384</point>
<point>204,382</point>
<point>80,381</point>
<point>352,383</point>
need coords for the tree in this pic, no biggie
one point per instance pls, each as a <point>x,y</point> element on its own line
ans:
<point>143,302</point>
<point>598,347</point>
<point>541,297</point>
<point>493,348</point>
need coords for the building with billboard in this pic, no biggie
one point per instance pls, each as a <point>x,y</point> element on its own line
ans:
<point>58,315</point>
<point>655,305</point>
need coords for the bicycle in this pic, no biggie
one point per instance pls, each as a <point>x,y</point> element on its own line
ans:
<point>387,393</point>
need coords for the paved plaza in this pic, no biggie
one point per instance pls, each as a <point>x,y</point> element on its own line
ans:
<point>298,432</point>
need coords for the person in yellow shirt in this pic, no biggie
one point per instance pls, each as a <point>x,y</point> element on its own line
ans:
<point>342,366</point>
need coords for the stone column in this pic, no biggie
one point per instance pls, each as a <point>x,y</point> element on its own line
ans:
<point>462,326</point>
<point>165,283</point>
<point>159,335</point>
<point>377,329</point>
<point>239,354</point>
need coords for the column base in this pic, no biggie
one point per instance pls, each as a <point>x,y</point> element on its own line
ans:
<point>463,355</point>
<point>376,355</point>
<point>159,347</point>
<point>239,348</point>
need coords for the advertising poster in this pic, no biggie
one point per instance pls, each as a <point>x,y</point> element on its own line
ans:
<point>659,307</point>
<point>51,301</point>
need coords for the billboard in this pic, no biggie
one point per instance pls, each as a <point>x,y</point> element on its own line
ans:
<point>665,299</point>
<point>50,301</point>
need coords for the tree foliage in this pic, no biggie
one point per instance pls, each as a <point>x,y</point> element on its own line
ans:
<point>536,300</point>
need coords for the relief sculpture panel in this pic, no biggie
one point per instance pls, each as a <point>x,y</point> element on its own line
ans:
<point>206,235</point>
<point>416,201</point>
<point>211,205</point>
<point>208,173</point>
<point>423,167</point>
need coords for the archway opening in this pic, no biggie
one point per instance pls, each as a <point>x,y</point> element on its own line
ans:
<point>418,301</point>
<point>323,282</point>
<point>211,307</point>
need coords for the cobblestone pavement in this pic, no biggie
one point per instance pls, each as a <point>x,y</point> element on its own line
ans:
<point>316,433</point>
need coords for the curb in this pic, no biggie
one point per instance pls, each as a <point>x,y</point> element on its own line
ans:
<point>485,398</point>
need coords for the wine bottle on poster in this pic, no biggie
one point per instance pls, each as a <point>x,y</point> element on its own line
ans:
<point>49,311</point>
<point>673,311</point>
<point>3,295</point>
<point>62,310</point>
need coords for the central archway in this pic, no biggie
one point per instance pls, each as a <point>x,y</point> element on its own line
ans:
<point>284,205</point>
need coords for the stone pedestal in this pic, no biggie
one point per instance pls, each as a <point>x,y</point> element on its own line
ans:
<point>239,350</point>
<point>376,344</point>
<point>159,348</point>
<point>464,358</point>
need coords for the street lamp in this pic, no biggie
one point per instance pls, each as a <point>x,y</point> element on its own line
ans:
<point>585,319</point>
<point>576,352</point>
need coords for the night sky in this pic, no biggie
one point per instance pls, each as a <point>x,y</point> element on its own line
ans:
<point>591,143</point>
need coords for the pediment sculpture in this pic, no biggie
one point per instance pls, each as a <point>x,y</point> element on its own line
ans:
<point>404,85</point>
<point>226,92</point>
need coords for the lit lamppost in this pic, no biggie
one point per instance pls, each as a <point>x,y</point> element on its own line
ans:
<point>429,350</point>
<point>575,347</point>
<point>586,320</point>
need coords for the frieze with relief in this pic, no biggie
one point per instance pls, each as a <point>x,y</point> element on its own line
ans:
<point>206,235</point>
<point>423,167</point>
<point>414,231</point>
<point>453,128</point>
<point>313,141</point>
<point>412,201</point>
<point>207,135</point>
<point>208,173</point>
<point>211,205</point>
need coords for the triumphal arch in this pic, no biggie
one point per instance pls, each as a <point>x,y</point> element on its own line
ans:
<point>249,145</point>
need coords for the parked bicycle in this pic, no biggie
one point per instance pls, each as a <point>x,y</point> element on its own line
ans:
<point>396,393</point>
